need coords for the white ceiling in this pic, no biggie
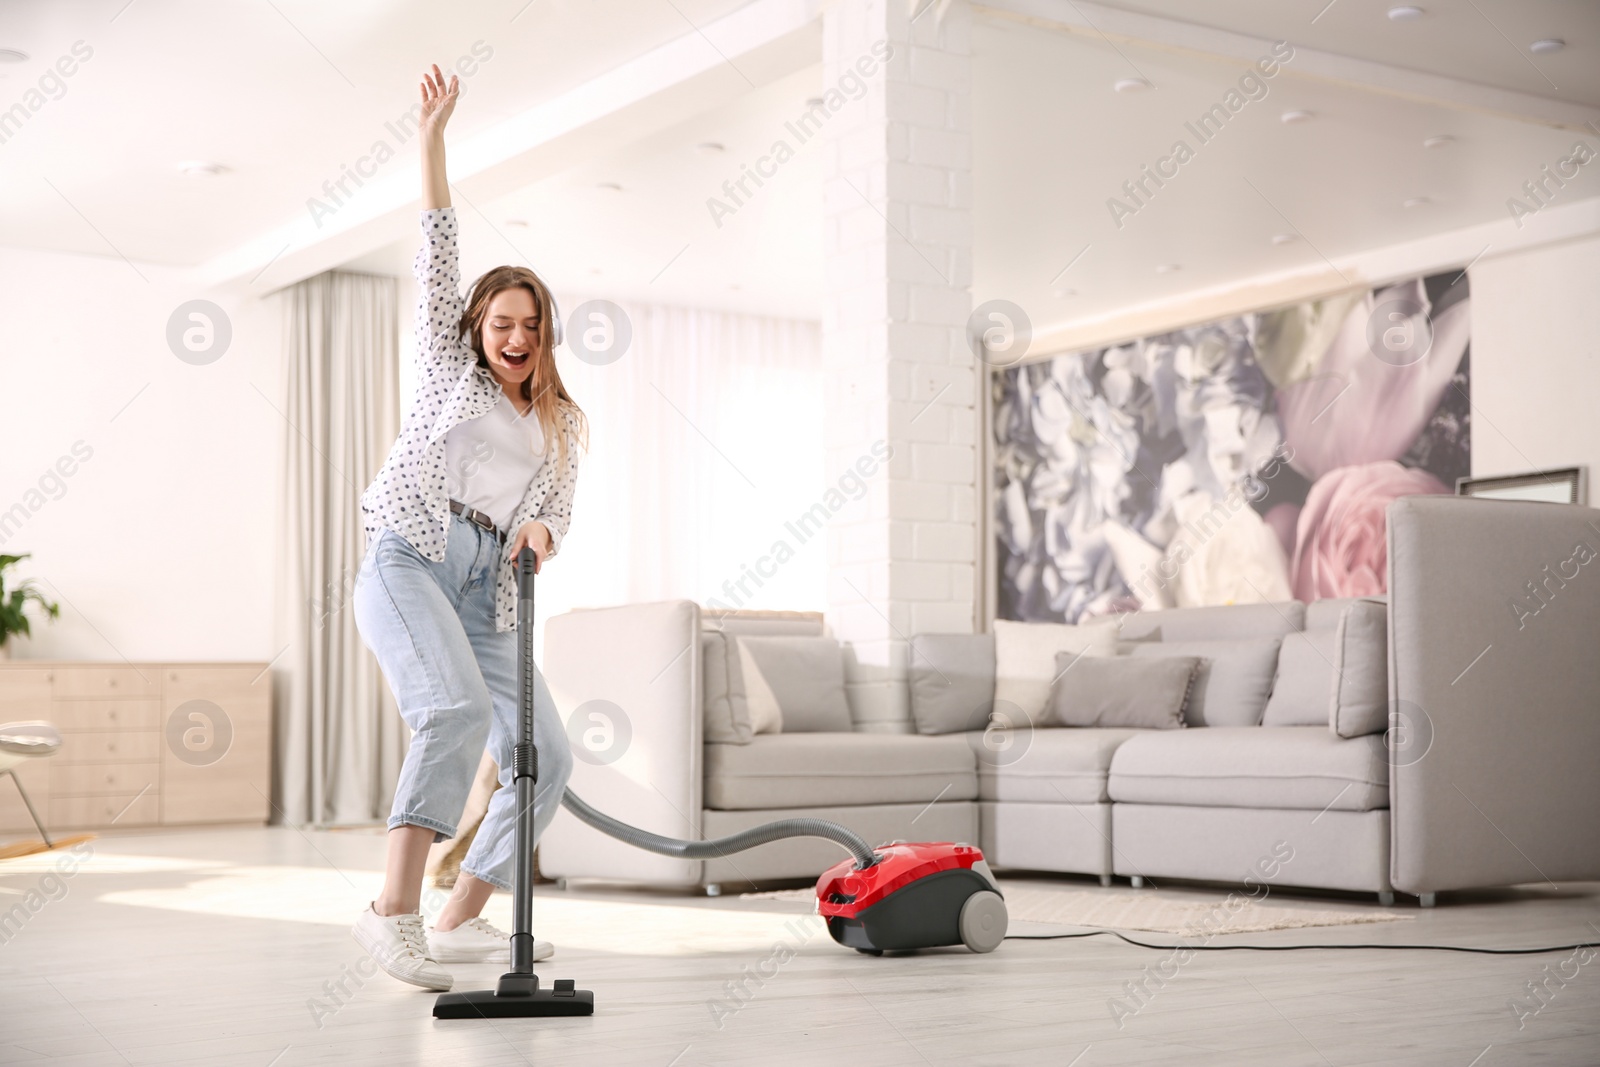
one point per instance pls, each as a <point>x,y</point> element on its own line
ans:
<point>1053,142</point>
<point>287,93</point>
<point>1481,41</point>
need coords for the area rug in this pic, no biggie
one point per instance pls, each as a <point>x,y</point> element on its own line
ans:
<point>1169,912</point>
<point>33,848</point>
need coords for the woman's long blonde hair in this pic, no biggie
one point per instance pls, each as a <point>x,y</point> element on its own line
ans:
<point>559,415</point>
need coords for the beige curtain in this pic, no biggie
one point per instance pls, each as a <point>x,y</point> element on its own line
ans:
<point>339,740</point>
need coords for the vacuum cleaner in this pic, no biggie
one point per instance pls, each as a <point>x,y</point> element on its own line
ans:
<point>899,897</point>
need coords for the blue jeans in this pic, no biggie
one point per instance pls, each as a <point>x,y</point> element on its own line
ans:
<point>431,627</point>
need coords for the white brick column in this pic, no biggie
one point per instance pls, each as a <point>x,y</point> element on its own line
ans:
<point>898,257</point>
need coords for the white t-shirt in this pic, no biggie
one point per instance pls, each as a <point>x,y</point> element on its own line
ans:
<point>490,461</point>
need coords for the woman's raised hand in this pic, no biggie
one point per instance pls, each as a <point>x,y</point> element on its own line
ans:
<point>438,100</point>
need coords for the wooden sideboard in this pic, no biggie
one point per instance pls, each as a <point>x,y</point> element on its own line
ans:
<point>145,744</point>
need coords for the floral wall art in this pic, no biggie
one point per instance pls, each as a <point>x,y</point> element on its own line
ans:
<point>1240,461</point>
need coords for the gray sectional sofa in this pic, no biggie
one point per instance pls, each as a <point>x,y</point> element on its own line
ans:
<point>1444,738</point>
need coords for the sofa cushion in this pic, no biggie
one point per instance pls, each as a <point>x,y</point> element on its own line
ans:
<point>760,703</point>
<point>1361,669</point>
<point>1221,623</point>
<point>718,722</point>
<point>816,770</point>
<point>1233,682</point>
<point>1303,692</point>
<point>1304,767</point>
<point>1062,765</point>
<point>1120,691</point>
<point>952,681</point>
<point>1325,614</point>
<point>1025,658</point>
<point>795,683</point>
<point>724,704</point>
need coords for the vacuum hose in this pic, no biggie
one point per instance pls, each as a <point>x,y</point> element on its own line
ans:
<point>721,846</point>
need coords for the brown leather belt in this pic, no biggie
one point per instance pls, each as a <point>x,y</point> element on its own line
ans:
<point>477,518</point>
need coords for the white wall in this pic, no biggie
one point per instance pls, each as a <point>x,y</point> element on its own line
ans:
<point>1536,360</point>
<point>160,545</point>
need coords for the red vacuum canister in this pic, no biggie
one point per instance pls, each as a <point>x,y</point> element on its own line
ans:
<point>918,895</point>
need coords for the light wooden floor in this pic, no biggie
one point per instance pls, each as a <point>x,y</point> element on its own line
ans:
<point>223,947</point>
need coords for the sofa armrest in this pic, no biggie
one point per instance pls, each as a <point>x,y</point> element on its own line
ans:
<point>1494,692</point>
<point>643,662</point>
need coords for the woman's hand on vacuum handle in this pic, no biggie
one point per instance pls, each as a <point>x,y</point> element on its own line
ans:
<point>535,535</point>
<point>438,102</point>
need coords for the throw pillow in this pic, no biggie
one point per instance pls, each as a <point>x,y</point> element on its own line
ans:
<point>1234,681</point>
<point>1121,691</point>
<point>1303,692</point>
<point>1361,668</point>
<point>795,684</point>
<point>952,682</point>
<point>1025,658</point>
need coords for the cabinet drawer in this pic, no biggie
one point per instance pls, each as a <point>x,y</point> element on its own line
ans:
<point>214,802</point>
<point>102,779</point>
<point>74,682</point>
<point>104,746</point>
<point>131,810</point>
<point>242,694</point>
<point>24,694</point>
<point>106,714</point>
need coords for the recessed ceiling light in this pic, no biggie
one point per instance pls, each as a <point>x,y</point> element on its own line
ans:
<point>1416,201</point>
<point>813,101</point>
<point>1438,141</point>
<point>1130,85</point>
<point>1169,268</point>
<point>200,168</point>
<point>710,148</point>
<point>12,55</point>
<point>1291,117</point>
<point>594,270</point>
<point>1549,44</point>
<point>734,286</point>
<point>1406,13</point>
<point>610,187</point>
<point>520,224</point>
<point>1062,294</point>
<point>1285,238</point>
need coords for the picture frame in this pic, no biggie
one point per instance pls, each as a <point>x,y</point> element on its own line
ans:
<point>1561,485</point>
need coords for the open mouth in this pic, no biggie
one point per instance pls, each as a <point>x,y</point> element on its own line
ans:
<point>514,357</point>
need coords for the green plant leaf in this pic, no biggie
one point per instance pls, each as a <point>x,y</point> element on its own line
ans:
<point>13,614</point>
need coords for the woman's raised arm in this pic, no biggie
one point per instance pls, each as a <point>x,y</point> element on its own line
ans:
<point>437,266</point>
<point>438,101</point>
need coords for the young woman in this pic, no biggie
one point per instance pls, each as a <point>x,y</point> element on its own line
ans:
<point>485,464</point>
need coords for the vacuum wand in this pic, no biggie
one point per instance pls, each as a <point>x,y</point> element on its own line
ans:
<point>525,776</point>
<point>518,994</point>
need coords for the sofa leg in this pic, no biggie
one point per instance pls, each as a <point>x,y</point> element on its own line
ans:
<point>1386,897</point>
<point>1427,900</point>
<point>1105,879</point>
<point>1137,881</point>
<point>713,890</point>
<point>561,885</point>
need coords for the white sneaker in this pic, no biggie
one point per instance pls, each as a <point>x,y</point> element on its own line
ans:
<point>398,945</point>
<point>479,941</point>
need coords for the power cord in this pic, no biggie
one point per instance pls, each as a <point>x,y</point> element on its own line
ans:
<point>1300,948</point>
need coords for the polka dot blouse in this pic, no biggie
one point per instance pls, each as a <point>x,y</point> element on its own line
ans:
<point>408,495</point>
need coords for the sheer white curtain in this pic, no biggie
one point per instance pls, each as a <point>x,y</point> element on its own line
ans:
<point>705,439</point>
<point>340,740</point>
